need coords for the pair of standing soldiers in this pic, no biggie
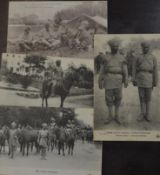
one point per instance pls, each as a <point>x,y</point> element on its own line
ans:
<point>114,73</point>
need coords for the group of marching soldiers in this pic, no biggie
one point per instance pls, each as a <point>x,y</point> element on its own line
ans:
<point>114,74</point>
<point>11,135</point>
<point>52,37</point>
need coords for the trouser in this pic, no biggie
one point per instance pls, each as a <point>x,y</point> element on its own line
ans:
<point>145,95</point>
<point>12,149</point>
<point>113,97</point>
<point>43,152</point>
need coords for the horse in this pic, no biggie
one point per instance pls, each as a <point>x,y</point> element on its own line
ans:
<point>61,89</point>
<point>2,142</point>
<point>46,91</point>
<point>71,136</point>
<point>52,142</point>
<point>61,140</point>
<point>89,136</point>
<point>4,136</point>
<point>28,137</point>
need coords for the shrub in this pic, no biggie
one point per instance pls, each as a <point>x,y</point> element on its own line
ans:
<point>25,81</point>
<point>12,78</point>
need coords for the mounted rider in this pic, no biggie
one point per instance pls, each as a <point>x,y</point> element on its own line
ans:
<point>57,77</point>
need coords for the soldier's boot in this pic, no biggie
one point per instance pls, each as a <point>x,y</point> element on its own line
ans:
<point>141,117</point>
<point>110,117</point>
<point>148,108</point>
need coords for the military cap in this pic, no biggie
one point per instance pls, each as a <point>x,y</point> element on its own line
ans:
<point>44,125</point>
<point>145,44</point>
<point>52,119</point>
<point>13,124</point>
<point>114,42</point>
<point>27,28</point>
<point>58,62</point>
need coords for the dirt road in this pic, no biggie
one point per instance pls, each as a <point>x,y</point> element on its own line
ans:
<point>86,160</point>
<point>9,98</point>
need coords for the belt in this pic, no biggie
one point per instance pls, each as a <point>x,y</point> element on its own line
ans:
<point>149,71</point>
<point>110,72</point>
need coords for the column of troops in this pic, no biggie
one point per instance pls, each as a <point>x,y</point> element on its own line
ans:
<point>51,136</point>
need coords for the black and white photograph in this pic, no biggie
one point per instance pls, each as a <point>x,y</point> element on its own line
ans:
<point>126,87</point>
<point>59,28</point>
<point>35,140</point>
<point>45,81</point>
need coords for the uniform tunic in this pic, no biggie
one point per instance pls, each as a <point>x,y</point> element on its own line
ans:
<point>145,72</point>
<point>113,74</point>
<point>26,37</point>
<point>44,34</point>
<point>113,70</point>
<point>13,140</point>
<point>43,134</point>
<point>58,76</point>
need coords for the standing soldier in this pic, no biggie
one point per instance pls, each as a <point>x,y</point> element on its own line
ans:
<point>145,77</point>
<point>13,140</point>
<point>42,138</point>
<point>113,74</point>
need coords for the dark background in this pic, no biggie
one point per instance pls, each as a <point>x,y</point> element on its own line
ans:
<point>124,16</point>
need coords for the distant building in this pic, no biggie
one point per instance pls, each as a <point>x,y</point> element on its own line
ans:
<point>15,64</point>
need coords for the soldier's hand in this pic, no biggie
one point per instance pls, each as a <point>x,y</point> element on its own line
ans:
<point>125,85</point>
<point>134,83</point>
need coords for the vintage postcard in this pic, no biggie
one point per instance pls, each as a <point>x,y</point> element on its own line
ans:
<point>35,80</point>
<point>126,87</point>
<point>35,140</point>
<point>58,28</point>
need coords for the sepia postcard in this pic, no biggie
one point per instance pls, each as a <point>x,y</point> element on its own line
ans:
<point>126,87</point>
<point>37,140</point>
<point>58,28</point>
<point>35,80</point>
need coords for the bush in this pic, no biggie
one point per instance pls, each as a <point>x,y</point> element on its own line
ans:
<point>25,81</point>
<point>12,78</point>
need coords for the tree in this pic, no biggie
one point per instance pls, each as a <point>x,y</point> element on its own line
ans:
<point>57,19</point>
<point>35,61</point>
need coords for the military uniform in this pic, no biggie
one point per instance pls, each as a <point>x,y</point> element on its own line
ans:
<point>26,40</point>
<point>145,77</point>
<point>43,136</point>
<point>84,38</point>
<point>113,74</point>
<point>13,140</point>
<point>58,76</point>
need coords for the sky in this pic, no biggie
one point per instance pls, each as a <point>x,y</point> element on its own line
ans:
<point>86,115</point>
<point>45,10</point>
